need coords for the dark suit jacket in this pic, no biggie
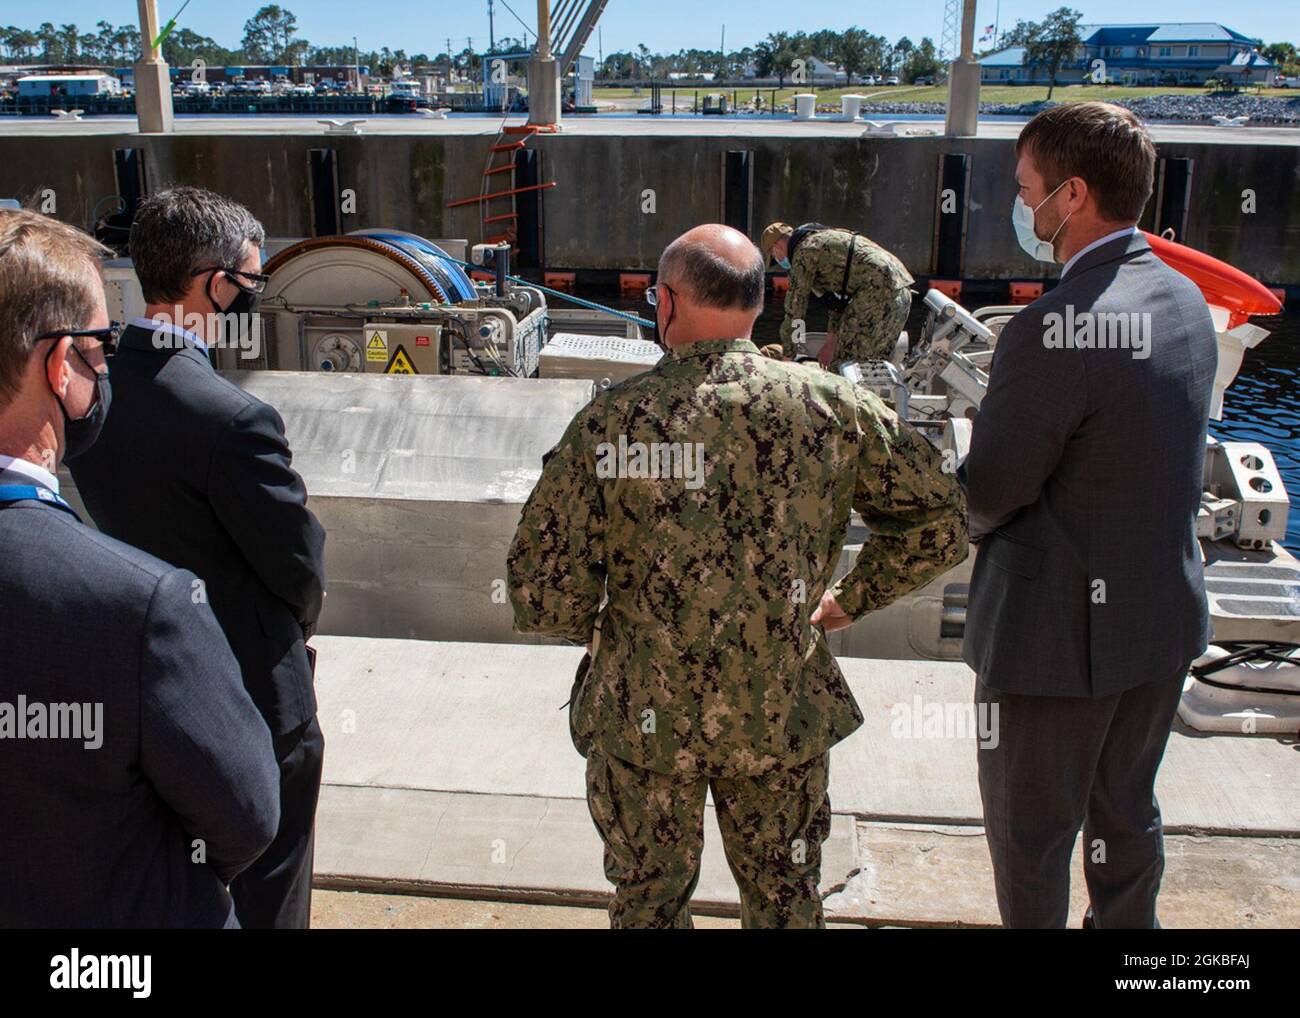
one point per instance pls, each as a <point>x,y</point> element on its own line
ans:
<point>1084,479</point>
<point>194,470</point>
<point>103,837</point>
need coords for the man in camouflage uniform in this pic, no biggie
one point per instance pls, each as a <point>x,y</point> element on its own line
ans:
<point>865,286</point>
<point>685,528</point>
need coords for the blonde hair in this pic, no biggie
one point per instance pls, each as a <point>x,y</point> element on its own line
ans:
<point>49,279</point>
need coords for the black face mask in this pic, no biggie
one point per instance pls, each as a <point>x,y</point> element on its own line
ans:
<point>79,433</point>
<point>242,307</point>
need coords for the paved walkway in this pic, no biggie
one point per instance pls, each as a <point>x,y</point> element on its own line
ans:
<point>449,773</point>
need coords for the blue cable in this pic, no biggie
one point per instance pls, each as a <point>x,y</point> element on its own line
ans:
<point>590,304</point>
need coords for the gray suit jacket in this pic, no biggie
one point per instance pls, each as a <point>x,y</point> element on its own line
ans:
<point>105,835</point>
<point>1083,481</point>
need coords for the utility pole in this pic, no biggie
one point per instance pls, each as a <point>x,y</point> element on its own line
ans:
<point>153,86</point>
<point>356,65</point>
<point>492,37</point>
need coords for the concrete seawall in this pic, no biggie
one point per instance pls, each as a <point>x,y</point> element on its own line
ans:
<point>594,219</point>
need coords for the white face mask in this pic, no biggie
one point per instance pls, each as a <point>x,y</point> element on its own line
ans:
<point>1022,218</point>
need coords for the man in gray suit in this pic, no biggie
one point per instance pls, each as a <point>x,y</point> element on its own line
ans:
<point>1084,476</point>
<point>137,778</point>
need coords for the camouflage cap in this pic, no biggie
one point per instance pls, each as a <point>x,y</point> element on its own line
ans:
<point>773,233</point>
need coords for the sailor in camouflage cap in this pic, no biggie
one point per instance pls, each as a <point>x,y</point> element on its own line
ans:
<point>864,287</point>
<point>685,529</point>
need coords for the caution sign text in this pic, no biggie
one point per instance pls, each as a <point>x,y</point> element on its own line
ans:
<point>377,346</point>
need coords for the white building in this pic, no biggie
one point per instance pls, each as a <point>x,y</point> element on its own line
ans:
<point>42,85</point>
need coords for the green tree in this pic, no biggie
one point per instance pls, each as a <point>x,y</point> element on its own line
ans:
<point>20,42</point>
<point>70,40</point>
<point>852,51</point>
<point>183,46</point>
<point>900,54</point>
<point>924,62</point>
<point>1053,42</point>
<point>877,48</point>
<point>269,36</point>
<point>51,44</point>
<point>1283,54</point>
<point>776,54</point>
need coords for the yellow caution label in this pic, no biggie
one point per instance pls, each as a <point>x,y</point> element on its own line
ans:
<point>400,364</point>
<point>377,345</point>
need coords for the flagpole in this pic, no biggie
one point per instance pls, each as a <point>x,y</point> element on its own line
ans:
<point>997,20</point>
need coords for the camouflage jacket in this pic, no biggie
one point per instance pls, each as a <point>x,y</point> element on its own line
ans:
<point>817,269</point>
<point>687,524</point>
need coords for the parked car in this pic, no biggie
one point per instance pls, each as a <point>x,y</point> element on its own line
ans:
<point>925,79</point>
<point>892,80</point>
<point>870,79</point>
<point>303,90</point>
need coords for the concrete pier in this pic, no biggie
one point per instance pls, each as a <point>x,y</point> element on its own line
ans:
<point>404,171</point>
<point>449,773</point>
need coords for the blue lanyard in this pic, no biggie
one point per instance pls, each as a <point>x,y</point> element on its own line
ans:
<point>31,493</point>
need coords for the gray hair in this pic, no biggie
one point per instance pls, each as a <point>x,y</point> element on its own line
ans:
<point>181,231</point>
<point>710,279</point>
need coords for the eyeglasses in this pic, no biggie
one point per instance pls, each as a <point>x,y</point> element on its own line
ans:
<point>652,294</point>
<point>108,336</point>
<point>256,281</point>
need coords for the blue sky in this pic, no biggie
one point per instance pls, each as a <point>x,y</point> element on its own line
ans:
<point>663,25</point>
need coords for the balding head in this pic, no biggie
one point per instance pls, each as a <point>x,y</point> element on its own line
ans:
<point>714,278</point>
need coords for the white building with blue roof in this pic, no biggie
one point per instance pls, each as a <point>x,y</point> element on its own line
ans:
<point>1184,53</point>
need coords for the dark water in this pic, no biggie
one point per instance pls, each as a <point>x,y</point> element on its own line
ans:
<point>1262,405</point>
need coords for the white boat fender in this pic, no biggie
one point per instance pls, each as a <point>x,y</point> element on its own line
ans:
<point>1251,666</point>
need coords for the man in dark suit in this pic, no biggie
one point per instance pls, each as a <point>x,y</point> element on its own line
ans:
<point>196,471</point>
<point>136,777</point>
<point>1084,477</point>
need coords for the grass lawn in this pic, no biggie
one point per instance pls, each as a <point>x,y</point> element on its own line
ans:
<point>934,93</point>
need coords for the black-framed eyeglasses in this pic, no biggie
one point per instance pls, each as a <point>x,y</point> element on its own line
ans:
<point>254,282</point>
<point>107,336</point>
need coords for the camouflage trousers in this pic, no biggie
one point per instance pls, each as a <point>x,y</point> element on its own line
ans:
<point>868,327</point>
<point>653,828</point>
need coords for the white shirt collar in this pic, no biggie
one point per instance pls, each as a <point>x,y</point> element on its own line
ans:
<point>32,471</point>
<point>1127,231</point>
<point>154,325</point>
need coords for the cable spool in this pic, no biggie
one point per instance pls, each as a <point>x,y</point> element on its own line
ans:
<point>323,287</point>
<point>367,265</point>
<point>444,268</point>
